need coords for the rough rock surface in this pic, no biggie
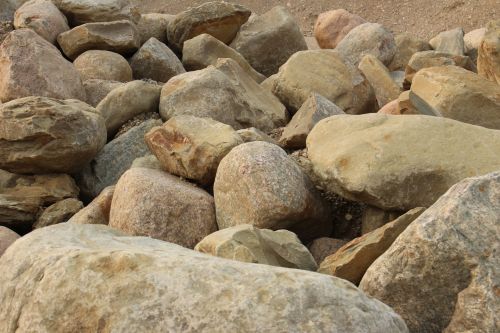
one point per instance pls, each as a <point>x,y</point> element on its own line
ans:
<point>7,237</point>
<point>441,274</point>
<point>321,248</point>
<point>332,26</point>
<point>488,61</point>
<point>103,65</point>
<point>406,46</point>
<point>97,212</point>
<point>59,212</point>
<point>451,41</point>
<point>96,90</point>
<point>154,25</point>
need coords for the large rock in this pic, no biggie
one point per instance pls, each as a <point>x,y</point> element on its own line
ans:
<point>217,18</point>
<point>118,36</point>
<point>441,274</point>
<point>224,93</point>
<point>103,65</point>
<point>267,41</point>
<point>462,96</point>
<point>406,46</point>
<point>43,135</point>
<point>146,279</point>
<point>192,147</point>
<point>31,66</point>
<point>153,203</point>
<point>451,41</point>
<point>97,212</point>
<point>385,173</point>
<point>488,62</point>
<point>262,246</point>
<point>332,26</point>
<point>154,25</point>
<point>42,17</point>
<point>258,184</point>
<point>7,237</point>
<point>96,90</point>
<point>59,212</point>
<point>155,61</point>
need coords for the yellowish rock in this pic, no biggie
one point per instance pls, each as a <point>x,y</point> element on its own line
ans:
<point>488,61</point>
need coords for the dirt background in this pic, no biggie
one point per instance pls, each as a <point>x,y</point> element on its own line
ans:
<point>422,18</point>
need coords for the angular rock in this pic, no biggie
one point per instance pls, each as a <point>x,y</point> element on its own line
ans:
<point>472,42</point>
<point>31,66</point>
<point>258,184</point>
<point>406,46</point>
<point>450,283</point>
<point>488,62</point>
<point>103,65</point>
<point>43,135</point>
<point>59,212</point>
<point>156,204</point>
<point>374,218</point>
<point>252,134</point>
<point>332,26</point>
<point>118,36</point>
<point>7,237</point>
<point>96,90</point>
<point>267,41</point>
<point>79,12</point>
<point>154,25</point>
<point>155,61</point>
<point>451,41</point>
<point>217,18</point>
<point>337,147</point>
<point>42,17</point>
<point>97,212</point>
<point>321,248</point>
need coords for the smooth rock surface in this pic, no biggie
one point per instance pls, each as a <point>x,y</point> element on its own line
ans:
<point>7,237</point>
<point>96,90</point>
<point>79,12</point>
<point>103,65</point>
<point>59,212</point>
<point>451,41</point>
<point>97,212</point>
<point>332,26</point>
<point>488,62</point>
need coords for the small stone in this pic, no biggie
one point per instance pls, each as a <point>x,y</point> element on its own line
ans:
<point>332,26</point>
<point>59,212</point>
<point>488,62</point>
<point>97,212</point>
<point>451,41</point>
<point>103,65</point>
<point>321,248</point>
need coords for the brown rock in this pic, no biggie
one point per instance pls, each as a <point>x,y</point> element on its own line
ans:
<point>7,237</point>
<point>96,90</point>
<point>488,62</point>
<point>406,46</point>
<point>374,218</point>
<point>97,212</point>
<point>59,212</point>
<point>154,25</point>
<point>103,65</point>
<point>321,248</point>
<point>332,26</point>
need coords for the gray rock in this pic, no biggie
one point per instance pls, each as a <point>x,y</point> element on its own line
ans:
<point>406,46</point>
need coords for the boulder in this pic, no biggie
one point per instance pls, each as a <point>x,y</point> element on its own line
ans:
<point>192,147</point>
<point>451,41</point>
<point>267,41</point>
<point>472,42</point>
<point>374,218</point>
<point>314,109</point>
<point>42,17</point>
<point>31,66</point>
<point>156,204</point>
<point>224,93</point>
<point>332,26</point>
<point>450,283</point>
<point>96,90</point>
<point>154,25</point>
<point>97,212</point>
<point>96,277</point>
<point>261,246</point>
<point>406,46</point>
<point>256,183</point>
<point>352,260</point>
<point>463,95</point>
<point>43,135</point>
<point>321,248</point>
<point>118,36</point>
<point>114,159</point>
<point>155,61</point>
<point>488,62</point>
<point>217,18</point>
<point>7,237</point>
<point>103,65</point>
<point>347,165</point>
<point>59,212</point>
<point>252,134</point>
<point>204,50</point>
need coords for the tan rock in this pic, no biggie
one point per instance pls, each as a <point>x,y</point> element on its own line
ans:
<point>149,161</point>
<point>59,212</point>
<point>97,212</point>
<point>156,204</point>
<point>252,134</point>
<point>7,237</point>
<point>269,84</point>
<point>488,62</point>
<point>472,42</point>
<point>390,108</point>
<point>374,218</point>
<point>103,65</point>
<point>332,26</point>
<point>31,66</point>
<point>312,43</point>
<point>406,46</point>
<point>405,106</point>
<point>118,36</point>
<point>96,90</point>
<point>154,25</point>
<point>321,248</point>
<point>80,12</point>
<point>451,41</point>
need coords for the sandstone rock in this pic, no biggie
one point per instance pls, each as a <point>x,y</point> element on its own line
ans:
<point>192,147</point>
<point>312,43</point>
<point>153,203</point>
<point>31,66</point>
<point>315,108</point>
<point>42,17</point>
<point>97,212</point>
<point>472,42</point>
<point>406,46</point>
<point>386,90</point>
<point>390,108</point>
<point>405,106</point>
<point>154,25</point>
<point>204,50</point>
<point>224,93</point>
<point>332,26</point>
<point>451,41</point>
<point>7,237</point>
<point>155,61</point>
<point>43,135</point>
<point>258,184</point>
<point>224,296</point>
<point>114,159</point>
<point>269,84</point>
<point>352,260</point>
<point>118,36</point>
<point>253,134</point>
<point>217,18</point>
<point>96,90</point>
<point>322,247</point>
<point>450,284</point>
<point>374,218</point>
<point>59,212</point>
<point>339,150</point>
<point>267,41</point>
<point>128,101</point>
<point>148,161</point>
<point>103,65</point>
<point>488,61</point>
<point>262,246</point>
<point>462,96</point>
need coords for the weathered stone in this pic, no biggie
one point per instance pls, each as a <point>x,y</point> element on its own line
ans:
<point>339,150</point>
<point>153,203</point>
<point>374,218</point>
<point>258,184</point>
<point>267,41</point>
<point>154,25</point>
<point>96,90</point>
<point>352,260</point>
<point>463,95</point>
<point>261,246</point>
<point>314,109</point>
<point>114,159</point>
<point>148,161</point>
<point>472,42</point>
<point>386,90</point>
<point>332,26</point>
<point>488,62</point>
<point>43,135</point>
<point>97,212</point>
<point>405,106</point>
<point>59,212</point>
<point>103,65</point>
<point>31,66</point>
<point>252,134</point>
<point>224,295</point>
<point>155,61</point>
<point>451,41</point>
<point>7,237</point>
<point>118,36</point>
<point>224,93</point>
<point>406,46</point>
<point>42,17</point>
<point>321,248</point>
<point>441,274</point>
<point>217,18</point>
<point>390,108</point>
<point>204,50</point>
